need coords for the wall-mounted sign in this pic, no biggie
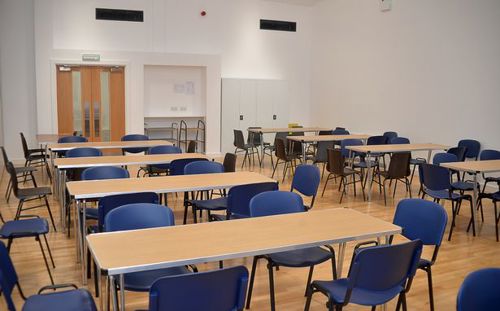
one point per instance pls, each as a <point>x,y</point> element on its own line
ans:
<point>91,57</point>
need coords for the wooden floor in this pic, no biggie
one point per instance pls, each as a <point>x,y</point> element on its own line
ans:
<point>456,259</point>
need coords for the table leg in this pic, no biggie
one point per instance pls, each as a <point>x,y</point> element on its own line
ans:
<point>369,175</point>
<point>76,230</point>
<point>122,292</point>
<point>475,213</point>
<point>304,152</point>
<point>100,289</point>
<point>63,197</point>
<point>261,149</point>
<point>84,243</point>
<point>340,259</point>
<point>113,292</point>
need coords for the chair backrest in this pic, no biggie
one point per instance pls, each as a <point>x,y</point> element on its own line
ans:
<point>443,157</point>
<point>8,277</point>
<point>280,149</point>
<point>435,177</point>
<point>421,219</point>
<point>239,139</point>
<point>165,149</point>
<point>177,166</point>
<point>377,140</point>
<point>306,180</point>
<point>104,172</point>
<point>336,161</point>
<point>238,202</point>
<point>340,131</point>
<point>229,162</point>
<point>25,145</point>
<point>480,291</point>
<point>385,267</point>
<point>72,139</point>
<point>473,147</point>
<point>400,165</point>
<point>13,178</point>
<point>390,135</point>
<point>459,152</point>
<point>280,135</point>
<point>399,140</point>
<point>222,289</point>
<point>275,203</point>
<point>203,167</point>
<point>110,202</point>
<point>489,154</point>
<point>83,152</point>
<point>5,157</point>
<point>349,142</point>
<point>191,147</point>
<point>321,153</point>
<point>132,137</point>
<point>138,216</point>
<point>254,138</point>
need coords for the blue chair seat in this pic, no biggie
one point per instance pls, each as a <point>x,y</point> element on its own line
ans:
<point>218,204</point>
<point>463,185</point>
<point>443,195</point>
<point>78,299</point>
<point>301,258</point>
<point>142,281</point>
<point>91,213</point>
<point>422,263</point>
<point>24,228</point>
<point>496,196</point>
<point>338,288</point>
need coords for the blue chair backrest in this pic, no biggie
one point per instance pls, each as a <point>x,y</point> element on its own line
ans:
<point>443,157</point>
<point>377,140</point>
<point>384,267</point>
<point>306,179</point>
<point>435,177</point>
<point>72,139</point>
<point>83,152</point>
<point>473,147</point>
<point>203,167</point>
<point>340,131</point>
<point>390,135</point>
<point>489,154</point>
<point>480,291</point>
<point>8,277</point>
<point>349,142</point>
<point>222,289</point>
<point>399,140</point>
<point>110,202</point>
<point>138,216</point>
<point>459,152</point>
<point>421,219</point>
<point>132,137</point>
<point>239,197</point>
<point>165,149</point>
<point>275,203</point>
<point>104,172</point>
<point>177,166</point>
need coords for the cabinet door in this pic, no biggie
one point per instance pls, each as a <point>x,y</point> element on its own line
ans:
<point>266,97</point>
<point>248,105</point>
<point>230,101</point>
<point>281,101</point>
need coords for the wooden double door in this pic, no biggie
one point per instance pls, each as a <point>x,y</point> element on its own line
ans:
<point>91,101</point>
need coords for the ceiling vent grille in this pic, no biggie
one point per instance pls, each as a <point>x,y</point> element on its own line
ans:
<point>119,15</point>
<point>267,24</point>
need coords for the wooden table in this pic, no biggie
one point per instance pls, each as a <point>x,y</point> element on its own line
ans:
<point>61,165</point>
<point>81,191</point>
<point>269,130</point>
<point>324,138</point>
<point>391,148</point>
<point>181,245</point>
<point>474,168</point>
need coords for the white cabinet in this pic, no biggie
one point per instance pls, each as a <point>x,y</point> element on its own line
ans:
<point>252,102</point>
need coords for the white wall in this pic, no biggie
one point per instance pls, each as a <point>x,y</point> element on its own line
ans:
<point>17,75</point>
<point>429,70</point>
<point>174,33</point>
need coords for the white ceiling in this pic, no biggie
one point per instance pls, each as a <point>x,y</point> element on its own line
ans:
<point>299,2</point>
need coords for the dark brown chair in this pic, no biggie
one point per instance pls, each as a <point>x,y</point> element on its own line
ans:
<point>399,170</point>
<point>282,157</point>
<point>336,168</point>
<point>241,146</point>
<point>35,157</point>
<point>191,146</point>
<point>229,162</point>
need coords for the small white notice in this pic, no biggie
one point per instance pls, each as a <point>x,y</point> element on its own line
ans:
<point>190,88</point>
<point>385,5</point>
<point>179,88</point>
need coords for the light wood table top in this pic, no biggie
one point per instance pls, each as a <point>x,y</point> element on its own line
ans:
<point>486,166</point>
<point>49,138</point>
<point>397,147</point>
<point>135,159</point>
<point>93,189</point>
<point>109,144</point>
<point>222,240</point>
<point>318,138</point>
<point>289,129</point>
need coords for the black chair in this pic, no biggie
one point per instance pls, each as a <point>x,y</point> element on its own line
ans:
<point>241,146</point>
<point>35,157</point>
<point>28,194</point>
<point>229,162</point>
<point>282,157</point>
<point>321,155</point>
<point>336,168</point>
<point>399,170</point>
<point>192,145</point>
<point>21,172</point>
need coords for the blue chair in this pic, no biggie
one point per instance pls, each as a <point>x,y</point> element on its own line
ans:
<point>306,181</point>
<point>83,152</point>
<point>277,203</point>
<point>390,135</point>
<point>208,204</point>
<point>158,169</point>
<point>460,185</point>
<point>134,137</point>
<point>217,290</point>
<point>425,221</point>
<point>349,142</point>
<point>142,216</point>
<point>69,139</point>
<point>104,172</point>
<point>444,157</point>
<point>485,155</point>
<point>75,299</point>
<point>238,200</point>
<point>436,184</point>
<point>377,275</point>
<point>473,148</point>
<point>339,131</point>
<point>459,152</point>
<point>480,291</point>
<point>177,166</point>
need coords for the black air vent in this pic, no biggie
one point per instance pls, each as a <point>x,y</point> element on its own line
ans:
<point>119,15</point>
<point>267,24</point>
